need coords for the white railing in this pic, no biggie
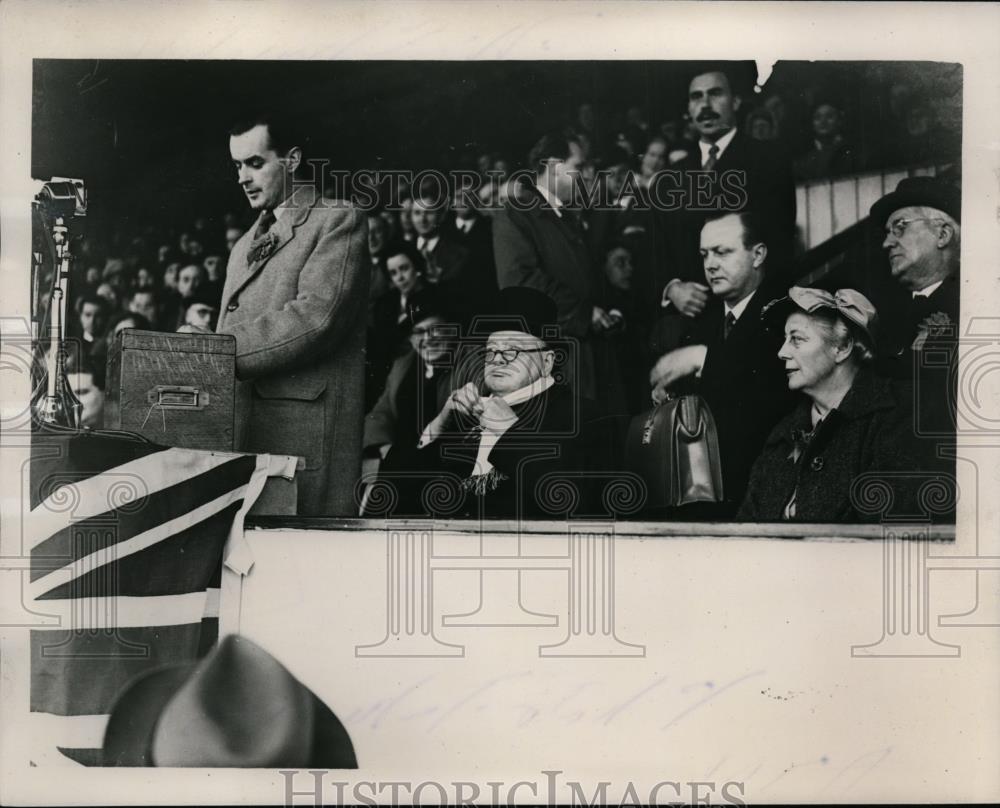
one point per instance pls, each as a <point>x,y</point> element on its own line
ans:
<point>827,207</point>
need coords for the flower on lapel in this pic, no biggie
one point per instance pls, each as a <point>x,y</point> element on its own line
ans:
<point>938,324</point>
<point>800,440</point>
<point>261,250</point>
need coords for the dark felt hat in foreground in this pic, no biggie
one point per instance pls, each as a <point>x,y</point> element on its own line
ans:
<point>237,707</point>
<point>520,308</point>
<point>919,192</point>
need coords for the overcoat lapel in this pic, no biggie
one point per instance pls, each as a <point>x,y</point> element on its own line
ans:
<point>282,231</point>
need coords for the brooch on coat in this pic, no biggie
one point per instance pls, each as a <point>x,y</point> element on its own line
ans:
<point>261,250</point>
<point>938,324</point>
<point>800,441</point>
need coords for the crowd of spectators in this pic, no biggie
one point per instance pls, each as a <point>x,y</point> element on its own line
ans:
<point>434,260</point>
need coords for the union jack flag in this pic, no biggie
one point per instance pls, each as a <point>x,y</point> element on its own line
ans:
<point>126,543</point>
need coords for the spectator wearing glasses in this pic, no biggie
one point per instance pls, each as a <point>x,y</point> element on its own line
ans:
<point>922,235</point>
<point>499,442</point>
<point>418,384</point>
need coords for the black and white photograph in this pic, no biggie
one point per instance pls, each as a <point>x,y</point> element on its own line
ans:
<point>413,403</point>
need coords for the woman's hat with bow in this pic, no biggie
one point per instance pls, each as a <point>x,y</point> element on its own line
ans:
<point>854,308</point>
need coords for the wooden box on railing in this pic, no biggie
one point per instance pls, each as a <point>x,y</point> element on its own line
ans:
<point>175,389</point>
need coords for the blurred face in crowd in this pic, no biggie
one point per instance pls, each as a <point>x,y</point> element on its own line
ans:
<point>162,253</point>
<point>188,279</point>
<point>110,294</point>
<point>195,248</point>
<point>406,216</point>
<point>616,175</point>
<point>426,217</point>
<point>376,235</point>
<point>655,157</point>
<point>428,339</point>
<point>760,128</point>
<point>585,115</point>
<point>809,352</point>
<point>826,121</point>
<point>91,397</point>
<point>184,242</point>
<point>201,315</point>
<point>213,267</point>
<point>144,303</point>
<point>712,105</point>
<point>402,273</point>
<point>232,236</point>
<point>144,279</point>
<point>91,319</point>
<point>170,275</point>
<point>915,256</point>
<point>618,268</point>
<point>93,276</point>
<point>559,176</point>
<point>732,270</point>
<point>531,363</point>
<point>263,174</point>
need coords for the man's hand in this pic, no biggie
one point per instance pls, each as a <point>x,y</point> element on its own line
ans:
<point>678,364</point>
<point>688,297</point>
<point>464,400</point>
<point>497,414</point>
<point>600,320</point>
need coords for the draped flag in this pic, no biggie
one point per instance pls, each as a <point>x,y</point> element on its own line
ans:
<point>126,541</point>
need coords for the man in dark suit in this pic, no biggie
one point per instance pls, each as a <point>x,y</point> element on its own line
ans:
<point>539,242</point>
<point>502,443</point>
<point>474,231</point>
<point>447,260</point>
<point>740,173</point>
<point>729,357</point>
<point>921,221</point>
<point>295,299</point>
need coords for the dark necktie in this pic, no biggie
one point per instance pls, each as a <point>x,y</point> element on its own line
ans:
<point>713,158</point>
<point>267,219</point>
<point>727,326</point>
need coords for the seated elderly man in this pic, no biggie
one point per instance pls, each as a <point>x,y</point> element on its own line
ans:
<point>502,445</point>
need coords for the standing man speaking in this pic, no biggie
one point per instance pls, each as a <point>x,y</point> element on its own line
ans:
<point>295,299</point>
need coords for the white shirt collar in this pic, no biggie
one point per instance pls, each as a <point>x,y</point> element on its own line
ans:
<point>427,243</point>
<point>551,199</point>
<point>465,225</point>
<point>723,142</point>
<point>740,307</point>
<point>927,291</point>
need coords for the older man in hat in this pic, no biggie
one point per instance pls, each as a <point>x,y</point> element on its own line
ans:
<point>921,221</point>
<point>504,443</point>
<point>922,241</point>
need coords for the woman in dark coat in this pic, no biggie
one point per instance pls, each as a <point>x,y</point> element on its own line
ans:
<point>850,442</point>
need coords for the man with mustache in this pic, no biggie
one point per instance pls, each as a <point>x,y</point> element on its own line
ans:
<point>295,299</point>
<point>730,160</point>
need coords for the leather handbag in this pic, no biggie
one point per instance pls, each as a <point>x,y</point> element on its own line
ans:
<point>674,447</point>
